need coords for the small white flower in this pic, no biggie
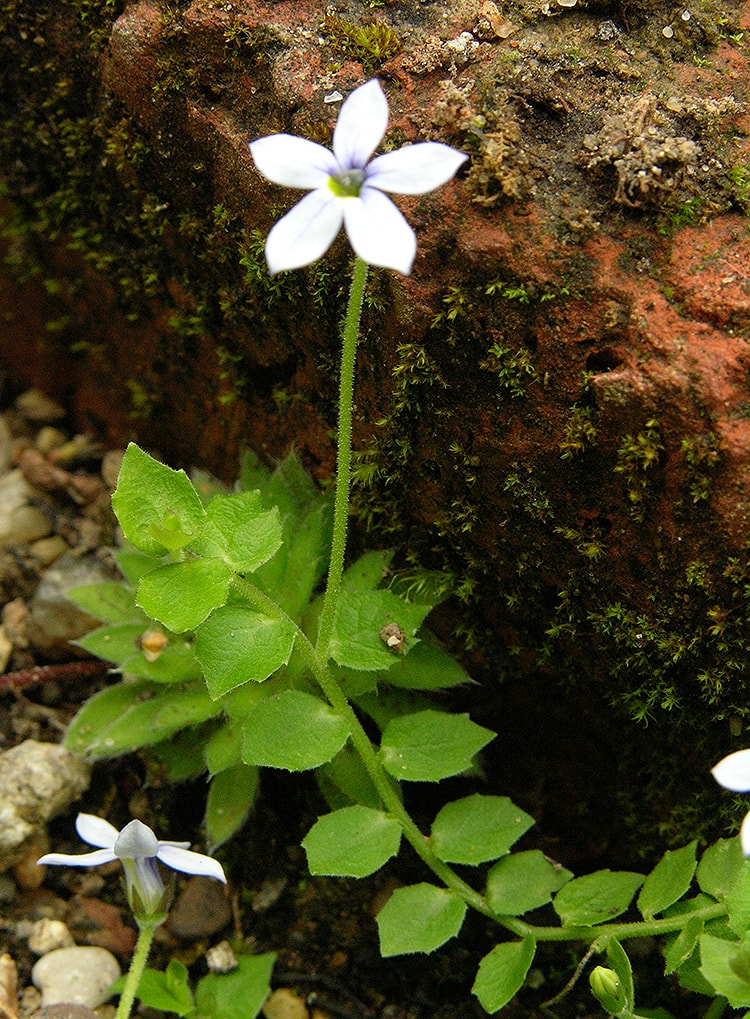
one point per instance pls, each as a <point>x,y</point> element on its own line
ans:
<point>138,849</point>
<point>733,772</point>
<point>346,188</point>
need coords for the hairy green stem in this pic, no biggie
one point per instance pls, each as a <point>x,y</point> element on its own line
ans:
<point>343,466</point>
<point>146,930</point>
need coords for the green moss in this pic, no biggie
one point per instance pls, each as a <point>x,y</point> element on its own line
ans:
<point>514,369</point>
<point>702,457</point>
<point>580,432</point>
<point>371,41</point>
<point>638,458</point>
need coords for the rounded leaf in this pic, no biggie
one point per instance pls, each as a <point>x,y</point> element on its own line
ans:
<point>351,842</point>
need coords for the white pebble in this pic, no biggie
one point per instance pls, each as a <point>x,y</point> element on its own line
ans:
<point>49,935</point>
<point>78,976</point>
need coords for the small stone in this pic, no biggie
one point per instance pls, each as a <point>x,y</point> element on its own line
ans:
<point>6,446</point>
<point>35,405</point>
<point>49,438</point>
<point>54,619</point>
<point>66,1011</point>
<point>77,976</point>
<point>16,524</point>
<point>284,1004</point>
<point>101,924</point>
<point>111,463</point>
<point>201,909</point>
<point>667,31</point>
<point>26,871</point>
<point>6,648</point>
<point>37,781</point>
<point>48,935</point>
<point>221,958</point>
<point>47,550</point>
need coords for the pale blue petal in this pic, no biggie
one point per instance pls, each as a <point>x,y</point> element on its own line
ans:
<point>305,233</point>
<point>96,831</point>
<point>745,836</point>
<point>360,126</point>
<point>733,772</point>
<point>378,232</point>
<point>136,841</point>
<point>414,169</point>
<point>293,162</point>
<point>191,863</point>
<point>95,859</point>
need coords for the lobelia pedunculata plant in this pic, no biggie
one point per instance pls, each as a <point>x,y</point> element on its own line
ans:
<point>247,642</point>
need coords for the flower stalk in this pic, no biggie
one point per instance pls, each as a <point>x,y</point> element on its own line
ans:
<point>344,458</point>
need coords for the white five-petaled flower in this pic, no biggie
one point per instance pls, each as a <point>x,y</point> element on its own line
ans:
<point>733,772</point>
<point>346,187</point>
<point>138,849</point>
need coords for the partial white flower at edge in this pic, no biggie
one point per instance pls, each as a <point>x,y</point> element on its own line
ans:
<point>347,187</point>
<point>733,772</point>
<point>138,849</point>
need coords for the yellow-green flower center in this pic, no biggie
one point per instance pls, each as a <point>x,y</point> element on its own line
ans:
<point>347,184</point>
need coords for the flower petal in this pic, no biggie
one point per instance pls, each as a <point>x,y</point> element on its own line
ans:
<point>360,126</point>
<point>96,831</point>
<point>745,836</point>
<point>136,841</point>
<point>733,772</point>
<point>95,859</point>
<point>293,162</point>
<point>305,233</point>
<point>378,232</point>
<point>415,169</point>
<point>191,863</point>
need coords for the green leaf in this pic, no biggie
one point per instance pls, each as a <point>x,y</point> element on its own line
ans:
<point>181,756</point>
<point>239,994</point>
<point>294,731</point>
<point>680,946</point>
<point>618,960</point>
<point>121,643</point>
<point>182,595</point>
<point>239,531</point>
<point>168,991</point>
<point>109,601</point>
<point>477,828</point>
<point>523,881</point>
<point>134,565</point>
<point>130,715</point>
<point>236,645</point>
<point>427,666</point>
<point>738,901</point>
<point>367,573</point>
<point>668,881</point>
<point>596,897</point>
<point>419,918</point>
<point>431,745</point>
<point>502,972</point>
<point>223,749</point>
<point>720,867</point>
<point>351,842</point>
<point>306,560</point>
<point>360,617</point>
<point>231,796</point>
<point>726,966</point>
<point>345,781</point>
<point>155,504</point>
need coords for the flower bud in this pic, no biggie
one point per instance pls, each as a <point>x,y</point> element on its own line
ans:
<point>608,990</point>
